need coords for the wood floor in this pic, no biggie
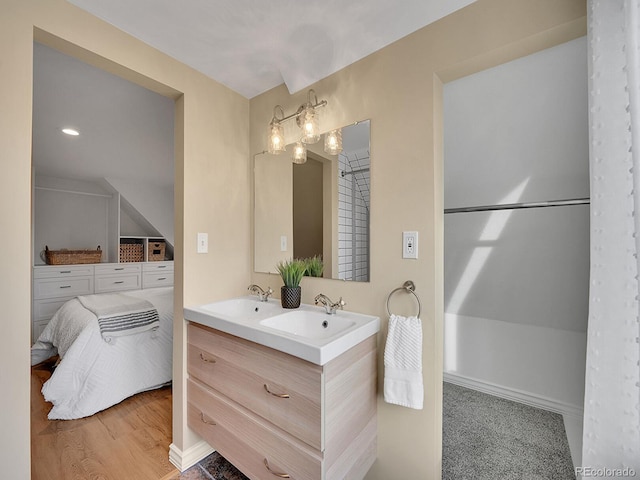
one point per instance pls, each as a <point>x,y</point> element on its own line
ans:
<point>129,441</point>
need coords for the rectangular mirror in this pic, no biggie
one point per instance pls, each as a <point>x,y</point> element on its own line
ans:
<point>320,208</point>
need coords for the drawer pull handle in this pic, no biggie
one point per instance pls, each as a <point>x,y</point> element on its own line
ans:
<point>281,475</point>
<point>118,269</point>
<point>121,281</point>
<point>65,271</point>
<point>205,421</point>
<point>65,286</point>
<point>279,395</point>
<point>162,278</point>
<point>205,359</point>
<point>161,266</point>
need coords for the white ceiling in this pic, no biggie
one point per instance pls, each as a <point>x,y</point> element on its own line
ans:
<point>252,46</point>
<point>126,131</point>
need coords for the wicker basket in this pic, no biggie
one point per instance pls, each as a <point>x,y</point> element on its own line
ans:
<point>156,250</point>
<point>131,252</point>
<point>72,257</point>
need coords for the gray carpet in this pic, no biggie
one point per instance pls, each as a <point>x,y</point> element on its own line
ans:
<point>486,437</point>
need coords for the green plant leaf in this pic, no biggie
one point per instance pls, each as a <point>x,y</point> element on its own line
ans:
<point>291,271</point>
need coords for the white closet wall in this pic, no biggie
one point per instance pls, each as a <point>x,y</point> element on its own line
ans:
<point>516,281</point>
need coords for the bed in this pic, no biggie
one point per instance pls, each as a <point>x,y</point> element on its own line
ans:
<point>97,369</point>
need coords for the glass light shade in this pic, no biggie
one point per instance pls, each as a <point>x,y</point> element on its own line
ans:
<point>333,142</point>
<point>309,124</point>
<point>299,153</point>
<point>276,137</point>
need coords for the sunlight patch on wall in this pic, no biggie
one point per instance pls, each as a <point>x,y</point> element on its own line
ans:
<point>493,229</point>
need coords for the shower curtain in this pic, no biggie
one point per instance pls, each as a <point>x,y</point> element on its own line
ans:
<point>611,441</point>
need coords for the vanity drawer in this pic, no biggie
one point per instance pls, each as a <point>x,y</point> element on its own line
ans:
<point>62,287</point>
<point>162,279</point>
<point>246,440</point>
<point>279,387</point>
<point>116,283</point>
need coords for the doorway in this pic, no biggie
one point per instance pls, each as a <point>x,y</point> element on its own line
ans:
<point>516,232</point>
<point>114,179</point>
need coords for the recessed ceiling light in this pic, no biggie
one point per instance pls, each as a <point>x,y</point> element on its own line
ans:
<point>71,131</point>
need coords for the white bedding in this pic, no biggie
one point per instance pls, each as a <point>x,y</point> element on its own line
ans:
<point>93,374</point>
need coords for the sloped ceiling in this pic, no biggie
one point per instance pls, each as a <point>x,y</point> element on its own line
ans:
<point>252,46</point>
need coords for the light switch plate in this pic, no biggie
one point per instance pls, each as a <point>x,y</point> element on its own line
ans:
<point>409,244</point>
<point>283,243</point>
<point>203,243</point>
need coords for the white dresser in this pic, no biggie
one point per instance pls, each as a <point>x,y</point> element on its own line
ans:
<point>53,285</point>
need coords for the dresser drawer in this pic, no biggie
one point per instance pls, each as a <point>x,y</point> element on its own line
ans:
<point>37,329</point>
<point>62,271</point>
<point>44,309</point>
<point>280,388</point>
<point>62,287</point>
<point>157,267</point>
<point>117,268</point>
<point>164,279</point>
<point>116,283</point>
<point>246,440</point>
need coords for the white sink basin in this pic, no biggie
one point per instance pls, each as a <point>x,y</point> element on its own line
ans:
<point>312,325</point>
<point>306,332</point>
<point>243,307</point>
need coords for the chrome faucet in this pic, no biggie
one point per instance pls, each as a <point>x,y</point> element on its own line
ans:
<point>262,295</point>
<point>329,306</point>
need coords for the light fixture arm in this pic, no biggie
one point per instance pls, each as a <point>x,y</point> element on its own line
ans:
<point>296,114</point>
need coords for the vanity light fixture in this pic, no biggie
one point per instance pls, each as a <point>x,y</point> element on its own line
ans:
<point>299,153</point>
<point>308,121</point>
<point>333,142</point>
<point>276,132</point>
<point>306,117</point>
<point>71,131</point>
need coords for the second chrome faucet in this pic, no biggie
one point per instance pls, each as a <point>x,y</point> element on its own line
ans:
<point>329,306</point>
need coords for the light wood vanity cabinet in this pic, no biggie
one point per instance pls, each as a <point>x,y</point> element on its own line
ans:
<point>270,413</point>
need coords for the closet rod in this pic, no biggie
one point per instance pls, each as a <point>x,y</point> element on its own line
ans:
<point>516,206</point>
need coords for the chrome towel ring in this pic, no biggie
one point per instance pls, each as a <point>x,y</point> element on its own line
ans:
<point>408,287</point>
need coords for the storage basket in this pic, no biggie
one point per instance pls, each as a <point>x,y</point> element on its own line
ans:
<point>72,257</point>
<point>131,252</point>
<point>156,250</point>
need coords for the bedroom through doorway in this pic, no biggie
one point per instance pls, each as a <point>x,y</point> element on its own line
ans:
<point>103,173</point>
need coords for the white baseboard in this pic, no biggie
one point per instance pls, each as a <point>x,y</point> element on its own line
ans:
<point>185,459</point>
<point>515,395</point>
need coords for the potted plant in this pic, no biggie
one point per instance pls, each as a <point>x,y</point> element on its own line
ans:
<point>291,272</point>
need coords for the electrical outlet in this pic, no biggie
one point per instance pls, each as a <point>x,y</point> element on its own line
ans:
<point>409,244</point>
<point>203,243</point>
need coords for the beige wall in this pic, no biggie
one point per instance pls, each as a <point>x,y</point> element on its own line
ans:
<point>211,192</point>
<point>400,89</point>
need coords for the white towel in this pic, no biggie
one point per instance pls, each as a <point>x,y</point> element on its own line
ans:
<point>403,362</point>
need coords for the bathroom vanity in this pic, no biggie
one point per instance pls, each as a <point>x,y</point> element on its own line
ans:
<point>276,415</point>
